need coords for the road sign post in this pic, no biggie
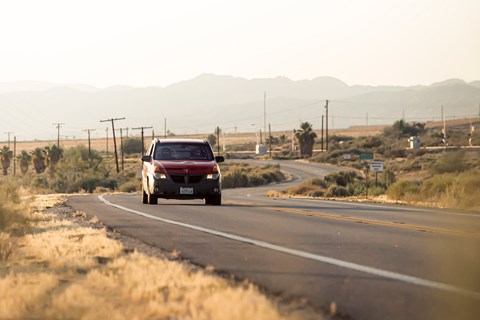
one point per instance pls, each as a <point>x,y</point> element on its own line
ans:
<point>376,166</point>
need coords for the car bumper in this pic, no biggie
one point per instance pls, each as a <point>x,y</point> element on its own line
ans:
<point>168,189</point>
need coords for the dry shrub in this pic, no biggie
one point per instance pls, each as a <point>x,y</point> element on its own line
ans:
<point>463,192</point>
<point>449,190</point>
<point>403,188</point>
<point>308,188</point>
<point>238,175</point>
<point>12,213</point>
<point>142,287</point>
<point>275,193</point>
<point>7,244</point>
<point>64,245</point>
<point>23,295</point>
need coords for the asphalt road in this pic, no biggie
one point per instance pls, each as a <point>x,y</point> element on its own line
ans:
<point>373,261</point>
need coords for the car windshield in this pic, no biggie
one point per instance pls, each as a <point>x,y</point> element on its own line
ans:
<point>183,151</point>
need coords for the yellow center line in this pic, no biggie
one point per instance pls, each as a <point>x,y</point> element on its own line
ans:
<point>359,220</point>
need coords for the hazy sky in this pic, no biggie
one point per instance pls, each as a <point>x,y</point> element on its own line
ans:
<point>141,43</point>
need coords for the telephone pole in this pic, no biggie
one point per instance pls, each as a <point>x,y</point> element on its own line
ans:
<point>89,150</point>
<point>59,125</point>
<point>121,146</point>
<point>444,131</point>
<point>270,139</point>
<point>321,140</point>
<point>326,125</point>
<point>8,133</point>
<point>165,128</point>
<point>114,142</point>
<point>106,150</point>
<point>218,140</point>
<point>14,155</point>
<point>265,113</point>
<point>142,131</point>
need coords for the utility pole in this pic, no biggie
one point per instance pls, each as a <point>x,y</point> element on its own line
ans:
<point>472,128</point>
<point>218,140</point>
<point>142,132</point>
<point>293,141</point>
<point>114,141</point>
<point>121,147</point>
<point>59,125</point>
<point>14,155</point>
<point>165,128</point>
<point>444,131</point>
<point>270,139</point>
<point>326,125</point>
<point>265,113</point>
<point>89,148</point>
<point>366,119</point>
<point>9,133</point>
<point>321,140</point>
<point>153,134</point>
<point>107,141</point>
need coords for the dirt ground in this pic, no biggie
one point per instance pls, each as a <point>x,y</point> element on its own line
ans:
<point>230,138</point>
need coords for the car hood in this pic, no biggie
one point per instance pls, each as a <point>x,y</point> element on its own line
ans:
<point>184,167</point>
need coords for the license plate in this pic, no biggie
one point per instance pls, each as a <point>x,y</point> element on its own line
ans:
<point>186,190</point>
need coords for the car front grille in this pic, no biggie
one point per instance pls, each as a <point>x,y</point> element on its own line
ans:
<point>186,179</point>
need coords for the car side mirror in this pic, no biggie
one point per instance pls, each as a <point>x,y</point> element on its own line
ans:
<point>146,158</point>
<point>219,158</point>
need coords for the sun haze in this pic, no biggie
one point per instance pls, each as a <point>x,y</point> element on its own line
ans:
<point>143,43</point>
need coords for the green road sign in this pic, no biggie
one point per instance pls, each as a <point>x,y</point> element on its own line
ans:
<point>366,156</point>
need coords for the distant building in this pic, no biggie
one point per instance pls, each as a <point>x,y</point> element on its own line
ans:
<point>414,142</point>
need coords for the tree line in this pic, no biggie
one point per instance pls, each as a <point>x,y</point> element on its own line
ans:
<point>40,158</point>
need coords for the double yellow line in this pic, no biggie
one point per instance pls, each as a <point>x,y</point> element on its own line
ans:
<point>400,225</point>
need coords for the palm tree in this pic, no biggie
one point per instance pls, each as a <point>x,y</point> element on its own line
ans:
<point>24,159</point>
<point>306,139</point>
<point>38,159</point>
<point>53,154</point>
<point>5,155</point>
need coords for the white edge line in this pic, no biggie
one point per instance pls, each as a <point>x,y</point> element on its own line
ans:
<point>332,261</point>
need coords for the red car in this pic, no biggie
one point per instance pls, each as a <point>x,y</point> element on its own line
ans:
<point>181,169</point>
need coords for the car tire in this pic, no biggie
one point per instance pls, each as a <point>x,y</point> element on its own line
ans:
<point>144,196</point>
<point>214,200</point>
<point>152,199</point>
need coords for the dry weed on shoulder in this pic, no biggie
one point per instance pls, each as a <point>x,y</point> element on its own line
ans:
<point>64,270</point>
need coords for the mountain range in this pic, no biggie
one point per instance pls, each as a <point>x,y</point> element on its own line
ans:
<point>198,105</point>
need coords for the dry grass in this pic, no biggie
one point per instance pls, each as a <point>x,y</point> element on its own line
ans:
<point>61,269</point>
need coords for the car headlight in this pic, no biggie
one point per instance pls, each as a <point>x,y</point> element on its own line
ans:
<point>158,175</point>
<point>212,176</point>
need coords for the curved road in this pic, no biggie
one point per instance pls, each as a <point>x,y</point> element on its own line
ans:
<point>373,261</point>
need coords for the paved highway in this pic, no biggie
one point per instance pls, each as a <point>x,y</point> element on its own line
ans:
<point>374,261</point>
